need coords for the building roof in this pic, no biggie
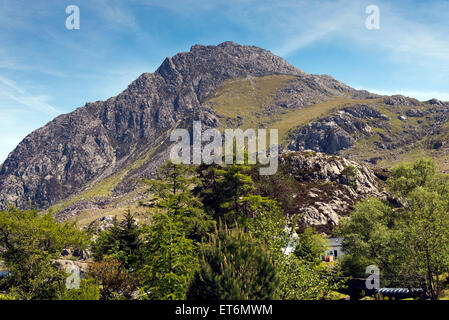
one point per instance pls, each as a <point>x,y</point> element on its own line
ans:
<point>335,242</point>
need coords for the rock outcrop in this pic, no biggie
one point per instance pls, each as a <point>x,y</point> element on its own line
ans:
<point>101,224</point>
<point>309,89</point>
<point>385,129</point>
<point>328,186</point>
<point>336,132</point>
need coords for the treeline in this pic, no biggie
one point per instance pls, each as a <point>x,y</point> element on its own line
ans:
<point>211,236</point>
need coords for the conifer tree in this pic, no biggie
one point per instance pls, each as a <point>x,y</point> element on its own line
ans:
<point>234,266</point>
<point>225,191</point>
<point>122,242</point>
<point>170,259</point>
<point>173,193</point>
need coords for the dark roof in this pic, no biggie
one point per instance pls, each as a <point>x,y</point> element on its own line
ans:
<point>400,293</point>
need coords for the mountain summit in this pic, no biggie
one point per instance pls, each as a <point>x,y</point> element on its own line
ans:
<point>92,157</point>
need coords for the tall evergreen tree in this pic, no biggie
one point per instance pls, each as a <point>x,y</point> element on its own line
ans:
<point>170,258</point>
<point>225,191</point>
<point>121,242</point>
<point>173,193</point>
<point>234,266</point>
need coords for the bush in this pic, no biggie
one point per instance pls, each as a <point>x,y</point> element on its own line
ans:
<point>114,280</point>
<point>88,290</point>
<point>29,243</point>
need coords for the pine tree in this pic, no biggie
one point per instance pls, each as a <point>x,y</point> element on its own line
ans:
<point>130,241</point>
<point>122,242</point>
<point>234,266</point>
<point>224,191</point>
<point>170,259</point>
<point>173,193</point>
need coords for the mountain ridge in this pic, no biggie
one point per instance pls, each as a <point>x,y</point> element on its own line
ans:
<point>94,155</point>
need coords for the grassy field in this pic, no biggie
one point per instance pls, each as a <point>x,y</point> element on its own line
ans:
<point>246,98</point>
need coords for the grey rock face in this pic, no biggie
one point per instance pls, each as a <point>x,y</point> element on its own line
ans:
<point>101,224</point>
<point>437,102</point>
<point>421,125</point>
<point>335,133</point>
<point>55,160</point>
<point>309,89</point>
<point>330,186</point>
<point>399,100</point>
<point>103,138</point>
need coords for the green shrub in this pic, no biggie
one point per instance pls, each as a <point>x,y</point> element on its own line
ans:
<point>88,291</point>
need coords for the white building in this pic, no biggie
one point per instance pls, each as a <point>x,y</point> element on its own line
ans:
<point>335,250</point>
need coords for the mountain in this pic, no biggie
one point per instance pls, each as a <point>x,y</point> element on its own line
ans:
<point>101,138</point>
<point>87,163</point>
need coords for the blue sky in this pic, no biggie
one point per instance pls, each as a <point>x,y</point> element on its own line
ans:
<point>46,69</point>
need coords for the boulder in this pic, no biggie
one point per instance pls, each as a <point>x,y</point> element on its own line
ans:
<point>101,224</point>
<point>329,186</point>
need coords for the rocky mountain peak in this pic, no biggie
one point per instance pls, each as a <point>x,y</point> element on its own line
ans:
<point>205,67</point>
<point>104,137</point>
<point>87,158</point>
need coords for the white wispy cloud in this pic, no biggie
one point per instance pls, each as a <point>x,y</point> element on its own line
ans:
<point>304,23</point>
<point>14,92</point>
<point>301,41</point>
<point>114,14</point>
<point>294,25</point>
<point>14,65</point>
<point>400,36</point>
